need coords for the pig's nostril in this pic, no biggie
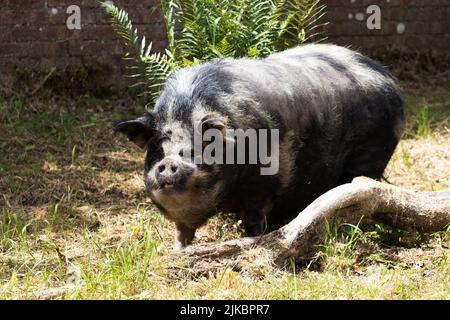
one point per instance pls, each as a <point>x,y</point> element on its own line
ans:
<point>167,171</point>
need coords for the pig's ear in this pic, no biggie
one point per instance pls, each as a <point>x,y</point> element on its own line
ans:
<point>138,131</point>
<point>212,122</point>
<point>216,122</point>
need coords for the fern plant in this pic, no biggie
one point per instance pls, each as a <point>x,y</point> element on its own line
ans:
<point>201,30</point>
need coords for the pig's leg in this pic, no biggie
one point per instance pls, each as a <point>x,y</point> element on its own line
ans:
<point>183,236</point>
<point>255,221</point>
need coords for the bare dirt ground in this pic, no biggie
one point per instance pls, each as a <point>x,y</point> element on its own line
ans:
<point>76,223</point>
<point>422,163</point>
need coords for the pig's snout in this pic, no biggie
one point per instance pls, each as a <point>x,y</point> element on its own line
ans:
<point>167,169</point>
<point>171,172</point>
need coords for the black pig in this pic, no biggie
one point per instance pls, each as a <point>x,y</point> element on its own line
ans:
<point>338,114</point>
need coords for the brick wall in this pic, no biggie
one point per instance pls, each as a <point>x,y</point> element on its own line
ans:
<point>414,24</point>
<point>34,38</point>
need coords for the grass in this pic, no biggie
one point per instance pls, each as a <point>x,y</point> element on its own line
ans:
<point>75,222</point>
<point>428,110</point>
<point>424,122</point>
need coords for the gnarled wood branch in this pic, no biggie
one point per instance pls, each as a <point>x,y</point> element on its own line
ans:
<point>363,198</point>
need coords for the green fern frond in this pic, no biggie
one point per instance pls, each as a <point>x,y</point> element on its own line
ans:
<point>152,68</point>
<point>201,30</point>
<point>298,18</point>
<point>124,28</point>
<point>223,48</point>
<point>157,69</point>
<point>169,9</point>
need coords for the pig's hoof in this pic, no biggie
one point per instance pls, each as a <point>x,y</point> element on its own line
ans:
<point>254,230</point>
<point>178,246</point>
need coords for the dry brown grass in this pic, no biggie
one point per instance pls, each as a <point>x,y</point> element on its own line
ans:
<point>422,163</point>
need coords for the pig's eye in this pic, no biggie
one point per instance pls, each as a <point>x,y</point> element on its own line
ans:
<point>180,153</point>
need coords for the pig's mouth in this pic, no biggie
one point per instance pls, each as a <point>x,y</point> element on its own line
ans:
<point>165,185</point>
<point>168,186</point>
<point>172,185</point>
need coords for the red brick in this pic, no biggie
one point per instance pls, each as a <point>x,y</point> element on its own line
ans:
<point>31,49</point>
<point>98,32</point>
<point>442,42</point>
<point>417,27</point>
<point>420,14</point>
<point>46,33</point>
<point>23,17</point>
<point>64,3</point>
<point>95,48</point>
<point>338,15</point>
<point>393,13</point>
<point>26,3</point>
<point>437,28</point>
<point>5,34</point>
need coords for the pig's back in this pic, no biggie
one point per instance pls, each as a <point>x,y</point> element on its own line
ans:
<point>312,81</point>
<point>342,111</point>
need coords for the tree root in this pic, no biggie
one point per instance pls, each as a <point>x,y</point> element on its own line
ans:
<point>363,198</point>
